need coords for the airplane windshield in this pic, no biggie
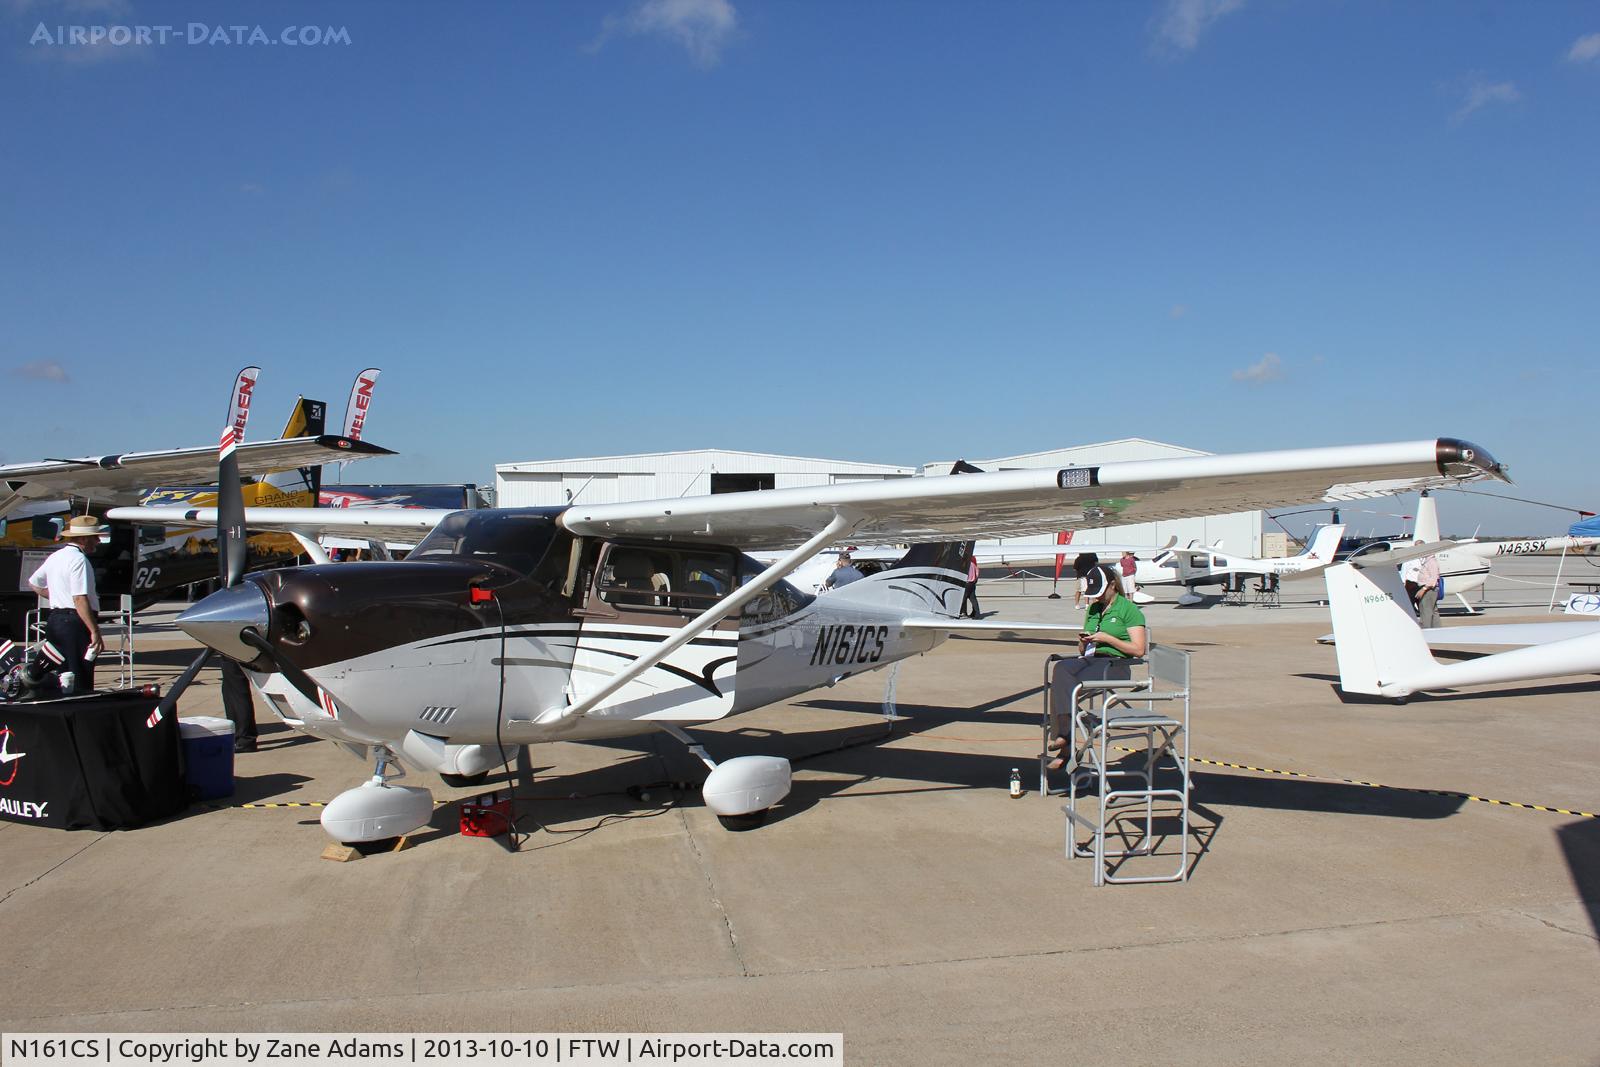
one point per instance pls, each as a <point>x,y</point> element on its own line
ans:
<point>516,539</point>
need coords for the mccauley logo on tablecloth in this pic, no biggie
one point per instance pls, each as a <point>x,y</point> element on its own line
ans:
<point>9,761</point>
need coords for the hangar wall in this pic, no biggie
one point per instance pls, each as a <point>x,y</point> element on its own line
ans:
<point>659,475</point>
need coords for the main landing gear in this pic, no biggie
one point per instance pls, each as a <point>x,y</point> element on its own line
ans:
<point>742,790</point>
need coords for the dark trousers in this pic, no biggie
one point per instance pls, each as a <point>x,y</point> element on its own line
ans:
<point>71,637</point>
<point>970,596</point>
<point>236,702</point>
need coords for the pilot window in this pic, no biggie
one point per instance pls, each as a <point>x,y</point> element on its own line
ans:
<point>514,539</point>
<point>664,579</point>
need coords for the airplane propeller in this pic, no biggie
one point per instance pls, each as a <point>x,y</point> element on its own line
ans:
<point>232,552</point>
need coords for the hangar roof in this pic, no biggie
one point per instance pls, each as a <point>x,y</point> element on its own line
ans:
<point>727,460</point>
<point>1126,448</point>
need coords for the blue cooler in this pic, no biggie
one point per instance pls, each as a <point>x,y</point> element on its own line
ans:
<point>207,756</point>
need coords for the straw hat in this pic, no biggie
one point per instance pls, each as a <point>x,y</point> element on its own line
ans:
<point>84,526</point>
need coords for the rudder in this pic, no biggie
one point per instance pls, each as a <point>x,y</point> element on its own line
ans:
<point>1375,637</point>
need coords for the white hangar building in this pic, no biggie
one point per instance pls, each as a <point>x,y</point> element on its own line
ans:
<point>658,475</point>
<point>1240,532</point>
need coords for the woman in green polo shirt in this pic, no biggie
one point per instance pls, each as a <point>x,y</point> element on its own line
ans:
<point>1114,625</point>
<point>1114,630</point>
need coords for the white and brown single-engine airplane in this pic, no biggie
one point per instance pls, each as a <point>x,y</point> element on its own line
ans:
<point>507,627</point>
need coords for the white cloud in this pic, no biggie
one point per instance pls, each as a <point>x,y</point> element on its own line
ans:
<point>1179,23</point>
<point>703,27</point>
<point>1269,368</point>
<point>42,370</point>
<point>1481,93</point>
<point>1584,49</point>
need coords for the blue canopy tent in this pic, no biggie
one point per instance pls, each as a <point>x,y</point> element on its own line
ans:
<point>1589,527</point>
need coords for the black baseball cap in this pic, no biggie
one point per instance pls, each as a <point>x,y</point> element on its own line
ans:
<point>1095,582</point>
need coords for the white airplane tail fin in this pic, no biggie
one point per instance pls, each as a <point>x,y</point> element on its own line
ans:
<point>1427,528</point>
<point>1323,543</point>
<point>1375,635</point>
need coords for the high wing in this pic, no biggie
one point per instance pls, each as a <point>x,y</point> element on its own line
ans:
<point>1016,503</point>
<point>118,478</point>
<point>964,507</point>
<point>406,526</point>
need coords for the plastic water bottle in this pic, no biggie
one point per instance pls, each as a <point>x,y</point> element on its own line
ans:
<point>1016,783</point>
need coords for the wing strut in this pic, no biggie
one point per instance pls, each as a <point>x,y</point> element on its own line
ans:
<point>840,525</point>
<point>311,547</point>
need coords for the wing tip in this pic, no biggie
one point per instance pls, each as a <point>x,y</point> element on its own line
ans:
<point>1463,459</point>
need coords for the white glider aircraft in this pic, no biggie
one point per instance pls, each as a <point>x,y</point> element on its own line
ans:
<point>1382,651</point>
<point>507,627</point>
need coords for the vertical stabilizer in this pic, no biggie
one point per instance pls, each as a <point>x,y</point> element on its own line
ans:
<point>308,418</point>
<point>1377,640</point>
<point>1323,543</point>
<point>1427,530</point>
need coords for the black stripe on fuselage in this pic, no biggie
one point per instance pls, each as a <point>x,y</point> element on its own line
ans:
<point>574,631</point>
<point>703,679</point>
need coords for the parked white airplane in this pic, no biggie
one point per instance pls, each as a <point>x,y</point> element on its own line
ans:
<point>1382,651</point>
<point>511,626</point>
<point>1212,566</point>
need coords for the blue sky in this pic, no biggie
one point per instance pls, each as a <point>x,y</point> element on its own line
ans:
<point>880,231</point>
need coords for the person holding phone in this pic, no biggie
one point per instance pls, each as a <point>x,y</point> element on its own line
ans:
<point>1114,626</point>
<point>1114,632</point>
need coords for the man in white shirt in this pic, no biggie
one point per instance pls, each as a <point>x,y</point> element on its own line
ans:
<point>1427,596</point>
<point>67,581</point>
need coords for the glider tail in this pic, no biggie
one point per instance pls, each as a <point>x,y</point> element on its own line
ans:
<point>1376,637</point>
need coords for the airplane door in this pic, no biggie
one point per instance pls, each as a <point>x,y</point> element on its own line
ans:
<point>638,597</point>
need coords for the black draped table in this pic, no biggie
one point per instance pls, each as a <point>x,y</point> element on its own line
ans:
<point>98,762</point>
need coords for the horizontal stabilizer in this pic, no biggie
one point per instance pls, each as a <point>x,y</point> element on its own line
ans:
<point>995,630</point>
<point>1368,560</point>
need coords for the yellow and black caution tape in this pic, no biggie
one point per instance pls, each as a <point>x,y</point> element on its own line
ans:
<point>295,804</point>
<point>1395,788</point>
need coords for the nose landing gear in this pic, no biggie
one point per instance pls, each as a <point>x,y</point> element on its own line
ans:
<point>376,809</point>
